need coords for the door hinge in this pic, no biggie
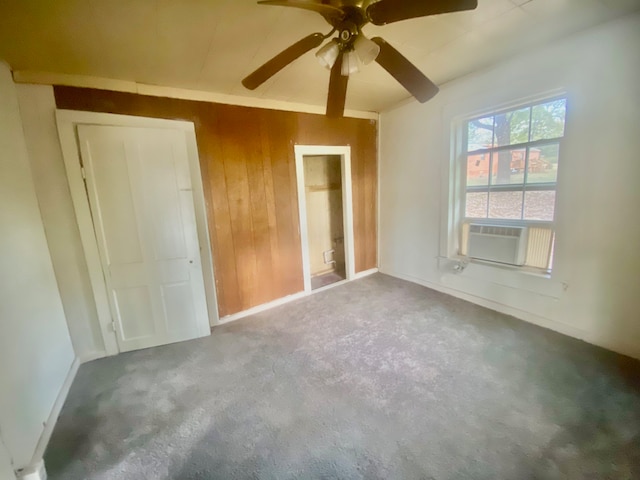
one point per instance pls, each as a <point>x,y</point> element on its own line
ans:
<point>112,326</point>
<point>84,174</point>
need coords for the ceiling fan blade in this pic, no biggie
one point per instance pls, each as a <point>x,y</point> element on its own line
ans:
<point>337,90</point>
<point>389,11</point>
<point>277,63</point>
<point>405,72</point>
<point>330,13</point>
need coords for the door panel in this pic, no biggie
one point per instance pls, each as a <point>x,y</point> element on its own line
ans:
<point>141,199</point>
<point>177,305</point>
<point>135,312</point>
<point>114,202</point>
<point>163,193</point>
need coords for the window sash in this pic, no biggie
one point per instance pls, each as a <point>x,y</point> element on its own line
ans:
<point>510,222</point>
<point>515,146</point>
<point>491,152</point>
<point>511,109</point>
<point>522,220</point>
<point>513,187</point>
<point>523,187</point>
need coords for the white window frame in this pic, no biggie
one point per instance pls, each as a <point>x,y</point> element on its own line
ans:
<point>454,176</point>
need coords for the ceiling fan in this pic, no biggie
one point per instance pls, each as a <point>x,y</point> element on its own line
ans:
<point>343,54</point>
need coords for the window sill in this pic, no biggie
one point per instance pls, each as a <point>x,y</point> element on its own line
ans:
<point>526,279</point>
<point>525,270</point>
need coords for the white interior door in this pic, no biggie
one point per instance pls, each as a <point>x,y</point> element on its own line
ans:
<point>140,193</point>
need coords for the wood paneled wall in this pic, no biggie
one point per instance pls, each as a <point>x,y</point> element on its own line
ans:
<point>248,172</point>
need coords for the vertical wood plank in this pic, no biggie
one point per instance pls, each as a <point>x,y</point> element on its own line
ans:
<point>285,195</point>
<point>220,230</point>
<point>264,291</point>
<point>237,179</point>
<point>278,290</point>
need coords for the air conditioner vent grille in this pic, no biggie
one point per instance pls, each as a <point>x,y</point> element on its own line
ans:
<point>497,243</point>
<point>498,230</point>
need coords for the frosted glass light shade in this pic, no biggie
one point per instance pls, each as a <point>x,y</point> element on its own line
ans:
<point>328,54</point>
<point>350,63</point>
<point>367,50</point>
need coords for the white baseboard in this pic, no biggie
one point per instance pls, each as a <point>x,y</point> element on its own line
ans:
<point>89,357</point>
<point>55,412</point>
<point>33,472</point>
<point>366,273</point>
<point>490,304</point>
<point>618,346</point>
<point>282,301</point>
<point>261,308</point>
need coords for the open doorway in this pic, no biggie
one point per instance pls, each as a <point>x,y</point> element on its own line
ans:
<point>325,221</point>
<point>324,193</point>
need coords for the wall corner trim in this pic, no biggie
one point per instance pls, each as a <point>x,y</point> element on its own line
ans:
<point>55,412</point>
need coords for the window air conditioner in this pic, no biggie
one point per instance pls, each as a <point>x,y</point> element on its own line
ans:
<point>498,243</point>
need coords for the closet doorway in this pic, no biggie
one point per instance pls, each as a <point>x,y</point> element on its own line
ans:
<point>326,228</point>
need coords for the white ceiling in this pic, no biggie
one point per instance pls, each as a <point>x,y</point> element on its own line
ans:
<point>210,45</point>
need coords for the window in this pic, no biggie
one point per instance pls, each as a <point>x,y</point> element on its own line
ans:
<point>511,168</point>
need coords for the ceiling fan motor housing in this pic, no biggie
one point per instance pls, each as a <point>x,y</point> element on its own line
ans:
<point>348,33</point>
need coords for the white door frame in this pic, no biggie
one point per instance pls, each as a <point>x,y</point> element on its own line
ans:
<point>67,121</point>
<point>347,206</point>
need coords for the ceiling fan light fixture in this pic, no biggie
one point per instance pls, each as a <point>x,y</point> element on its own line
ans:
<point>350,63</point>
<point>328,54</point>
<point>366,49</point>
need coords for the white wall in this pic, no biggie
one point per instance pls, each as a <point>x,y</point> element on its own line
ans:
<point>35,349</point>
<point>37,108</point>
<point>594,292</point>
<point>6,469</point>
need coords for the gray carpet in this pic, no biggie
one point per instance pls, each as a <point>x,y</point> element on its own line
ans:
<point>376,379</point>
<point>326,279</point>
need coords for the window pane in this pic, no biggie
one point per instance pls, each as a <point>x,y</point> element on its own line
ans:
<point>476,205</point>
<point>508,167</point>
<point>512,127</point>
<point>543,164</point>
<point>479,133</point>
<point>478,169</point>
<point>548,120</point>
<point>539,205</point>
<point>505,205</point>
